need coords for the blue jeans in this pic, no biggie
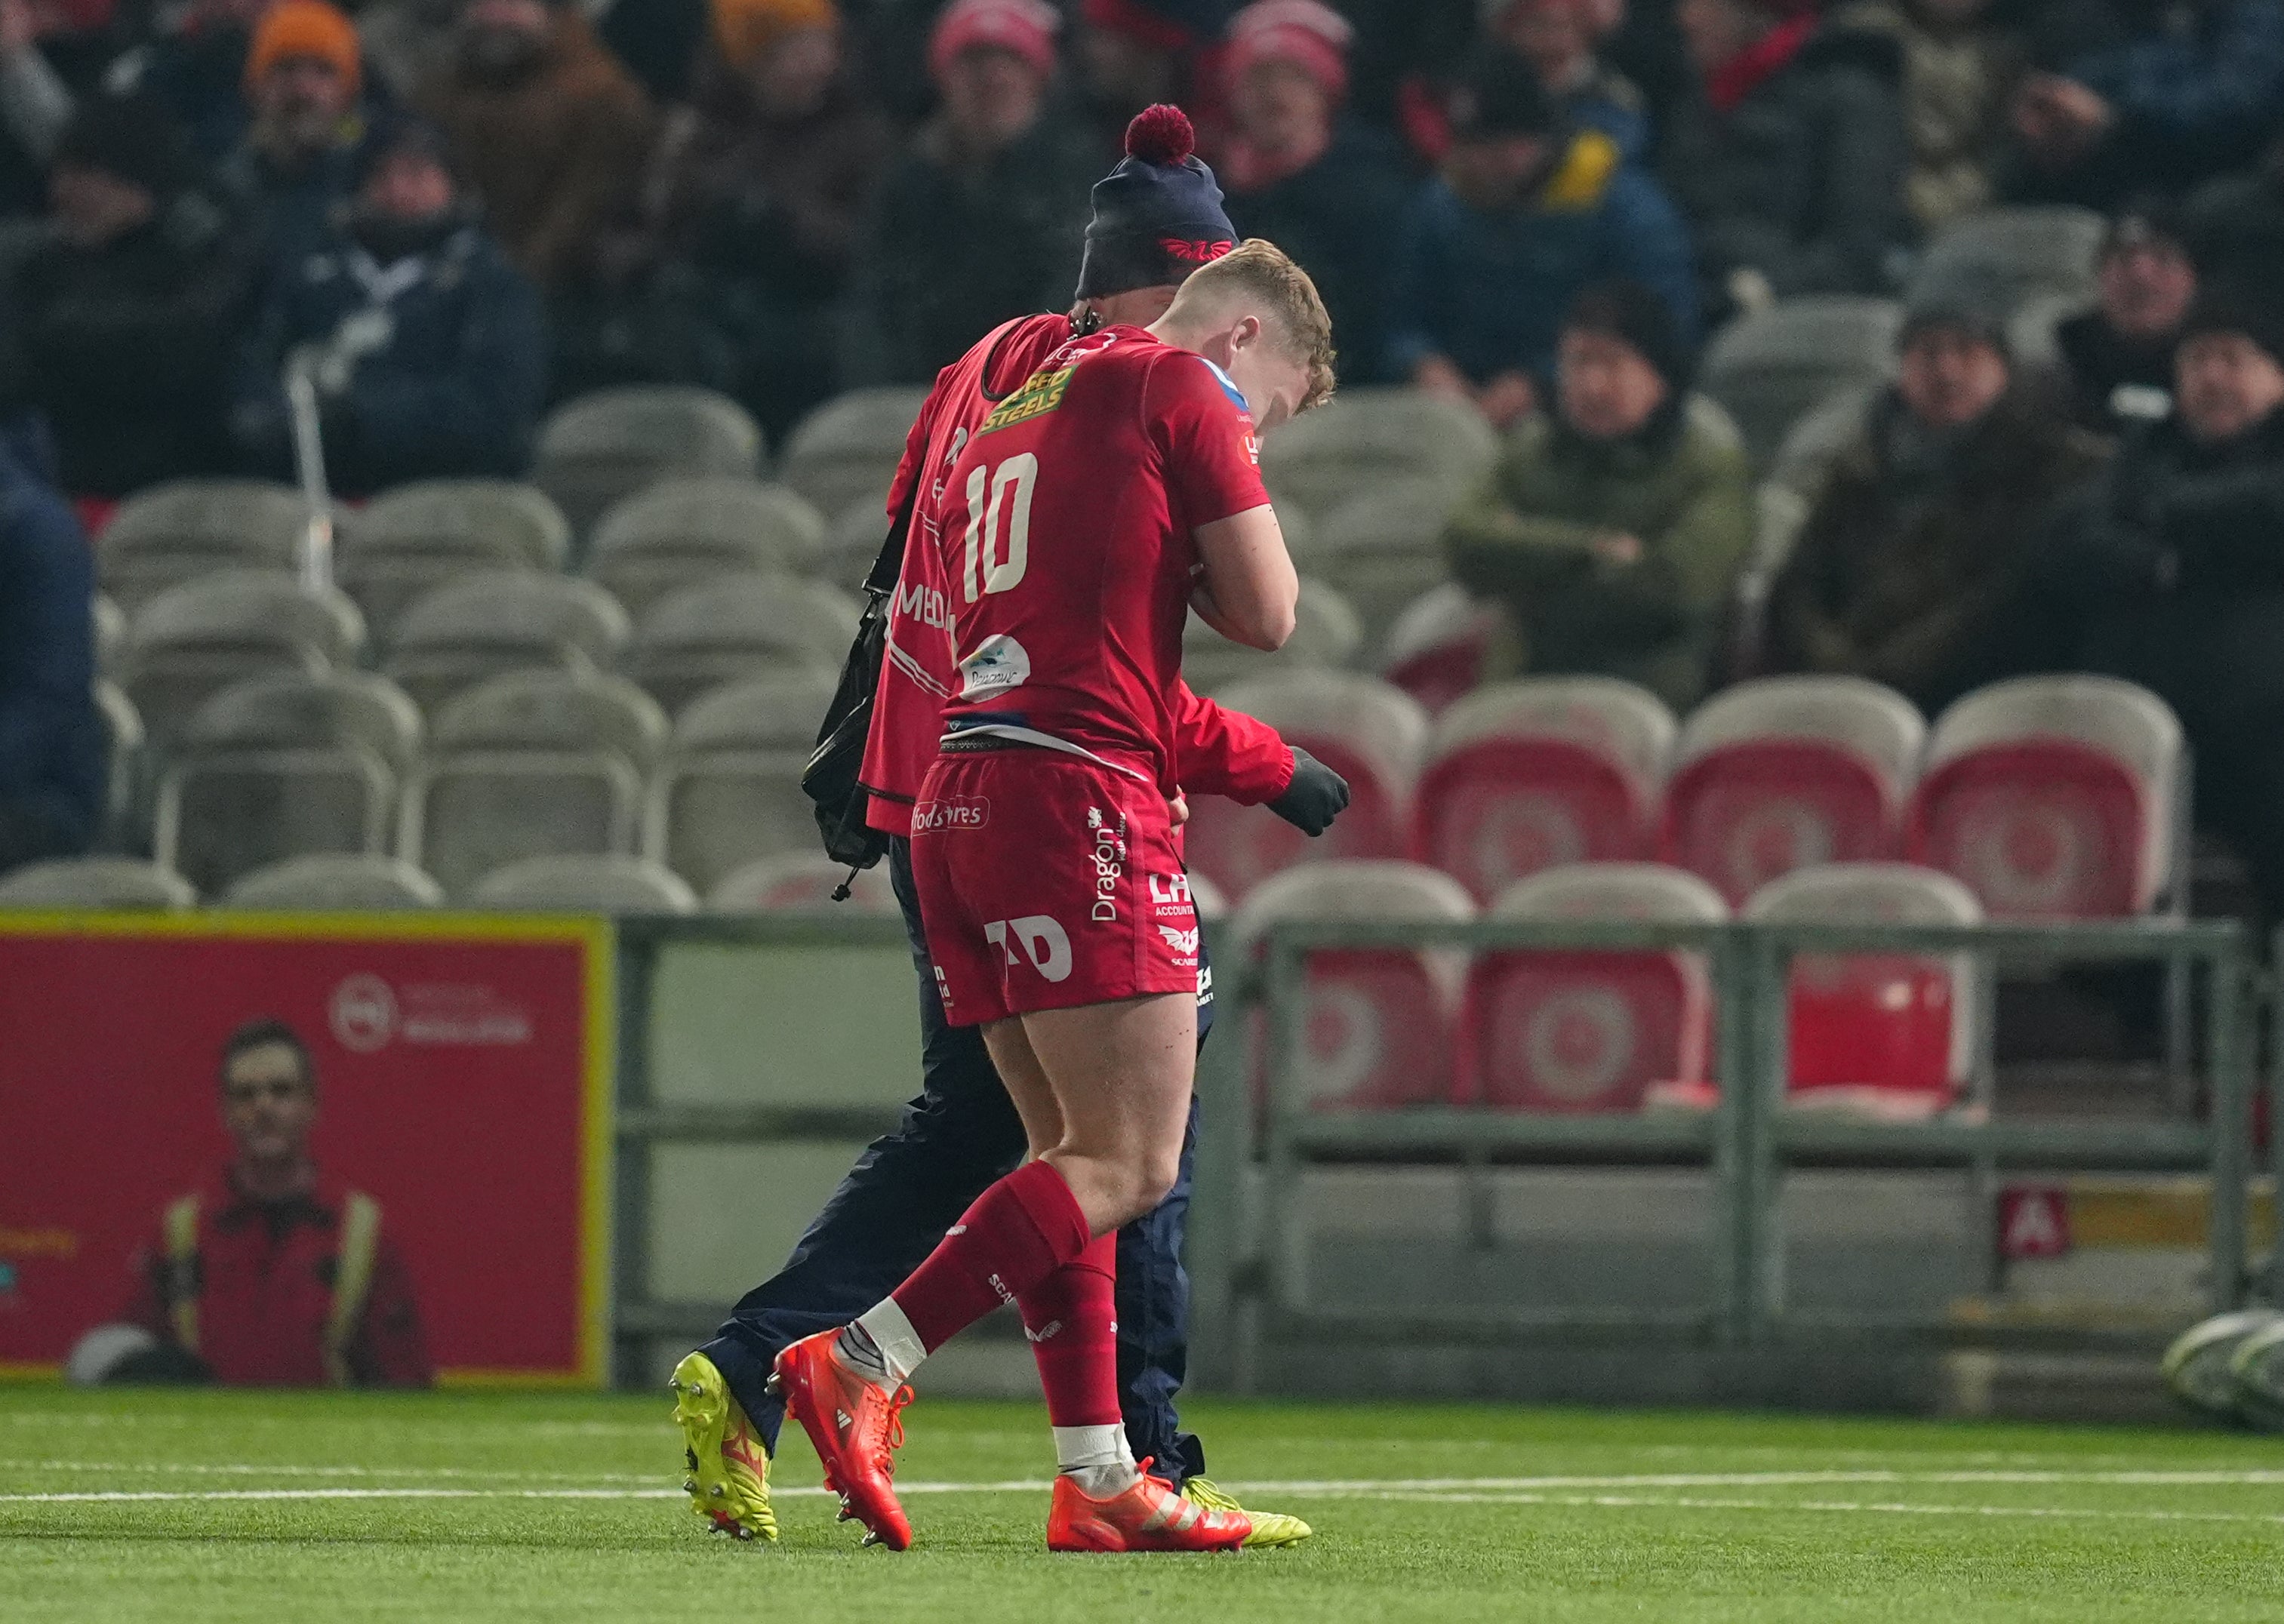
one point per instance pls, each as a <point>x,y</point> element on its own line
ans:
<point>911,1185</point>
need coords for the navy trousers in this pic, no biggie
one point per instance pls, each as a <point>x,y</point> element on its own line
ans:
<point>908,1187</point>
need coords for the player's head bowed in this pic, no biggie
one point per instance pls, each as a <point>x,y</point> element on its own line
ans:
<point>1158,216</point>
<point>1254,314</point>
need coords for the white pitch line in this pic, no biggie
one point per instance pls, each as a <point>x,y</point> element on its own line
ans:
<point>1879,1507</point>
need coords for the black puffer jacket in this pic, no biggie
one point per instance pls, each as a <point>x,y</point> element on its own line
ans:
<point>1803,180</point>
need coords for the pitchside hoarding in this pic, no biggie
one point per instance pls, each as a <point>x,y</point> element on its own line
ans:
<point>464,1069</point>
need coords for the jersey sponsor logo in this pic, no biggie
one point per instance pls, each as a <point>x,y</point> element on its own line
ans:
<point>944,816</point>
<point>1044,941</point>
<point>1170,888</point>
<point>1040,395</point>
<point>1109,839</point>
<point>998,664</point>
<point>925,604</point>
<point>1183,942</point>
<point>1199,253</point>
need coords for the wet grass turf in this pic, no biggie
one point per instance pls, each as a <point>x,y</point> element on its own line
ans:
<point>352,1507</point>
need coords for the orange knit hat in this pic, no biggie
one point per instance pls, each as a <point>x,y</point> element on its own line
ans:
<point>744,30</point>
<point>304,28</point>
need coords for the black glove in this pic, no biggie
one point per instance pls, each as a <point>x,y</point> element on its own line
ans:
<point>1314,799</point>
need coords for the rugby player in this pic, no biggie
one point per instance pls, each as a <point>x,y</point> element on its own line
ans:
<point>1156,218</point>
<point>1087,513</point>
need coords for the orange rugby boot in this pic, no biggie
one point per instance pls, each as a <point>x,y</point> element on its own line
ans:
<point>1149,1516</point>
<point>857,1425</point>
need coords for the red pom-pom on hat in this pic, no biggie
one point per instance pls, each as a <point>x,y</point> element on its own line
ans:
<point>1161,134</point>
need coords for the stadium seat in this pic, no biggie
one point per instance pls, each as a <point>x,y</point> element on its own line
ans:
<point>1890,1029</point>
<point>583,883</point>
<point>174,533</point>
<point>1805,455</point>
<point>1786,771</point>
<point>731,796</point>
<point>357,882</point>
<point>192,641</point>
<point>1325,636</point>
<point>420,536</point>
<point>110,625</point>
<point>601,447</point>
<point>104,885</point>
<point>734,627</point>
<point>1559,1030</point>
<point>1539,772</point>
<point>1369,436</point>
<point>1377,1032</point>
<point>1383,547</point>
<point>799,883</point>
<point>1766,370</point>
<point>846,451</point>
<point>1436,647</point>
<point>485,624</point>
<point>1370,734</point>
<point>2025,251</point>
<point>681,532</point>
<point>2055,798</point>
<point>531,764</point>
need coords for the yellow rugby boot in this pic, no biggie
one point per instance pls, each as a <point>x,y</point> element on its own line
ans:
<point>728,1480</point>
<point>1268,1527</point>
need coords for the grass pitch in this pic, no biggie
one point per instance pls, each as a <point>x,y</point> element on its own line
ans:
<point>159,1507</point>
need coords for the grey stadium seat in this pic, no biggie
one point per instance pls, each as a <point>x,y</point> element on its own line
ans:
<point>1327,634</point>
<point>2024,252</point>
<point>846,451</point>
<point>176,532</point>
<point>731,796</point>
<point>583,884</point>
<point>124,790</point>
<point>284,767</point>
<point>356,882</point>
<point>1367,436</point>
<point>1814,442</point>
<point>530,764</point>
<point>192,641</point>
<point>111,884</point>
<point>684,532</point>
<point>1383,547</point>
<point>753,624</point>
<point>420,536</point>
<point>602,447</point>
<point>465,632</point>
<point>110,624</point>
<point>795,883</point>
<point>1769,369</point>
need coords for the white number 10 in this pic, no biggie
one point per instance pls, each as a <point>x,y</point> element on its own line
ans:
<point>988,570</point>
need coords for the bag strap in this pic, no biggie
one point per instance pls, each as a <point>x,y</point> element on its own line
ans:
<point>182,1271</point>
<point>352,1281</point>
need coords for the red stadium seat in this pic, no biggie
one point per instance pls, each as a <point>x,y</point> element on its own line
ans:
<point>1529,774</point>
<point>1377,1032</point>
<point>2053,798</point>
<point>1786,771</point>
<point>1368,732</point>
<point>1571,1032</point>
<point>1436,649</point>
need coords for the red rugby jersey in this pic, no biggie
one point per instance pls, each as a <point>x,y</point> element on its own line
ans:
<point>1065,536</point>
<point>1223,752</point>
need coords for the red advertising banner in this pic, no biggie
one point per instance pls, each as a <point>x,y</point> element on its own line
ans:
<point>462,1068</point>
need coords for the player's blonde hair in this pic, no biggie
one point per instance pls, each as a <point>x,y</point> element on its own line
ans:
<point>1258,271</point>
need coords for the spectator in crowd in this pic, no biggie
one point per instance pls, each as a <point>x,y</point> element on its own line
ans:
<point>2170,571</point>
<point>1559,39</point>
<point>2117,358</point>
<point>1961,62</point>
<point>302,76</point>
<point>196,71</point>
<point>1906,569</point>
<point>763,188</point>
<point>39,39</point>
<point>128,316</point>
<point>2175,95</point>
<point>2235,225</point>
<point>1790,163</point>
<point>659,41</point>
<point>1610,528</point>
<point>1319,185</point>
<point>272,1274</point>
<point>426,346</point>
<point>549,129</point>
<point>1525,215</point>
<point>988,198</point>
<point>51,753</point>
<point>1134,53</point>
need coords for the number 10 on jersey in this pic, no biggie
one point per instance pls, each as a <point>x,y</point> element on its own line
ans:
<point>990,567</point>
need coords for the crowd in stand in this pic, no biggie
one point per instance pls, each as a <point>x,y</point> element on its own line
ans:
<point>447,214</point>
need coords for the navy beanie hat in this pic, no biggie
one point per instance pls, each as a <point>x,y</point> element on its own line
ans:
<point>1158,216</point>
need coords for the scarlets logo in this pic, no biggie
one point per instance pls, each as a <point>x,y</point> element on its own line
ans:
<point>1194,253</point>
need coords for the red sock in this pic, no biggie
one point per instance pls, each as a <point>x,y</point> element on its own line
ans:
<point>1019,1231</point>
<point>1071,1317</point>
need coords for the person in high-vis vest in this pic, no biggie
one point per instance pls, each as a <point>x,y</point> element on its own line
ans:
<point>272,1274</point>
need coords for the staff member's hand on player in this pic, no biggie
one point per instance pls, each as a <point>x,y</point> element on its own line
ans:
<point>1314,799</point>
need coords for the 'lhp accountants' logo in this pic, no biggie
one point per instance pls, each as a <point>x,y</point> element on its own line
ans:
<point>367,1015</point>
<point>363,1014</point>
